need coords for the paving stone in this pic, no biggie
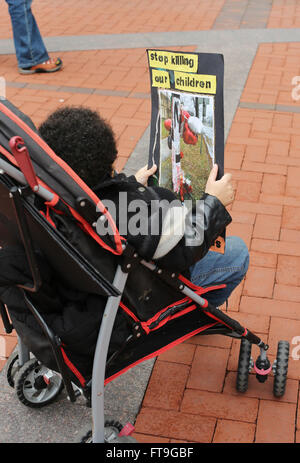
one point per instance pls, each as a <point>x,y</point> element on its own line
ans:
<point>219,405</point>
<point>275,423</point>
<point>176,425</point>
<point>208,369</point>
<point>259,282</point>
<point>234,432</point>
<point>182,353</point>
<point>166,385</point>
<point>267,229</point>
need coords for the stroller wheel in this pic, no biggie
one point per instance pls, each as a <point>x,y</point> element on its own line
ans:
<point>87,437</point>
<point>280,368</point>
<point>36,385</point>
<point>112,430</point>
<point>12,369</point>
<point>244,366</point>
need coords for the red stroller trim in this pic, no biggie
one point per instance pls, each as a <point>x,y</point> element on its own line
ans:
<point>198,289</point>
<point>117,237</point>
<point>73,368</point>
<point>160,351</point>
<point>146,325</point>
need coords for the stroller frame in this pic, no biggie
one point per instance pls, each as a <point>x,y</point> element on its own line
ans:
<point>225,325</point>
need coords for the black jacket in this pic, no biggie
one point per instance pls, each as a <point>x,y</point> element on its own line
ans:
<point>214,215</point>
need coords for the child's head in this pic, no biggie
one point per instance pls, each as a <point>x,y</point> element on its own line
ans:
<point>83,140</point>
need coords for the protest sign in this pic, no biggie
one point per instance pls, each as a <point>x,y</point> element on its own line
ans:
<point>187,122</point>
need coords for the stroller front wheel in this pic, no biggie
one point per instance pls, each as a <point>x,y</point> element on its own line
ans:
<point>244,366</point>
<point>281,368</point>
<point>36,385</point>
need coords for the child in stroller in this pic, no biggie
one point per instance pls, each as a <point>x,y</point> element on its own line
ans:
<point>151,301</point>
<point>87,143</point>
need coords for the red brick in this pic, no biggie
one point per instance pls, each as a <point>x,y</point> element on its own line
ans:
<point>208,369</point>
<point>275,423</point>
<point>247,176</point>
<point>291,160</point>
<point>219,405</point>
<point>166,385</point>
<point>259,282</point>
<point>239,129</point>
<point>290,235</point>
<point>292,184</point>
<point>288,270</point>
<point>258,305</point>
<point>176,425</point>
<point>233,160</point>
<point>213,340</point>
<point>146,439</point>
<point>263,259</point>
<point>229,148</point>
<point>261,125</point>
<point>243,230</point>
<point>182,353</point>
<point>258,208</point>
<point>248,191</point>
<point>234,298</point>
<point>273,184</point>
<point>278,148</point>
<point>294,153</point>
<point>295,141</point>
<point>255,153</point>
<point>278,199</point>
<point>282,120</point>
<point>267,227</point>
<point>287,293</point>
<point>275,247</point>
<point>264,167</point>
<point>242,217</point>
<point>282,329</point>
<point>291,217</point>
<point>247,141</point>
<point>234,432</point>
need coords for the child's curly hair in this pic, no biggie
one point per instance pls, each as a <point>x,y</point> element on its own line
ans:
<point>83,140</point>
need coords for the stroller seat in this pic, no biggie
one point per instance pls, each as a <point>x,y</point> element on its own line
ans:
<point>78,301</point>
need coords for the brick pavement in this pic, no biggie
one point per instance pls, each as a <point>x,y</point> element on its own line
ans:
<point>191,395</point>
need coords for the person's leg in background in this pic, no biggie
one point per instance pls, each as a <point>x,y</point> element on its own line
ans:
<point>31,53</point>
<point>229,268</point>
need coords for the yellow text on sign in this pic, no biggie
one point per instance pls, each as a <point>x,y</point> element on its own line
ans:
<point>160,79</point>
<point>195,82</point>
<point>173,61</point>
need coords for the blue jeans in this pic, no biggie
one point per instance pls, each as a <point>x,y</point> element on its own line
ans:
<point>29,45</point>
<point>215,268</point>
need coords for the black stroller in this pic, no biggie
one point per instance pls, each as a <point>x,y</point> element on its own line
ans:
<point>47,230</point>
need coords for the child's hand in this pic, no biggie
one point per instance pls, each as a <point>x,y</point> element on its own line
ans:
<point>144,173</point>
<point>222,188</point>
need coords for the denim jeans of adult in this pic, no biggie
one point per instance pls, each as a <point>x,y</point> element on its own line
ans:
<point>29,45</point>
<point>228,268</point>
